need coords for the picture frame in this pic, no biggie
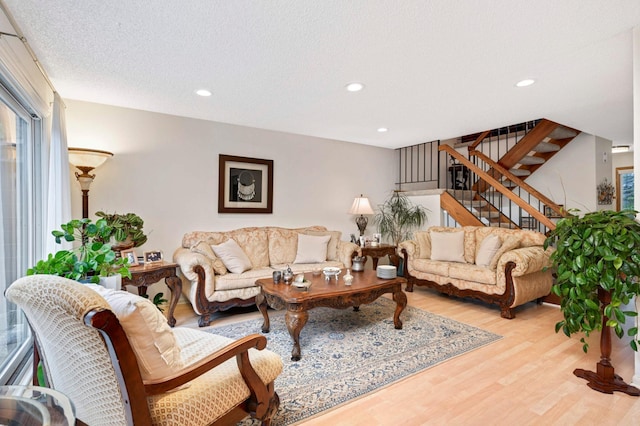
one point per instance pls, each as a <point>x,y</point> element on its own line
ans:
<point>154,256</point>
<point>245,185</point>
<point>131,256</point>
<point>550,213</point>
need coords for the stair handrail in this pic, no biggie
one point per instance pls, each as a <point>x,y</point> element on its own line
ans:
<point>499,187</point>
<point>522,184</point>
<point>479,139</point>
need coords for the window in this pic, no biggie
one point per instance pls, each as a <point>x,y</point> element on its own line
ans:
<point>624,188</point>
<point>20,193</point>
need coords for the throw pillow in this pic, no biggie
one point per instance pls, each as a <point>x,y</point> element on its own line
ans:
<point>424,244</point>
<point>447,246</point>
<point>510,243</point>
<point>151,338</point>
<point>205,249</point>
<point>332,247</point>
<point>487,249</point>
<point>233,257</point>
<point>312,249</point>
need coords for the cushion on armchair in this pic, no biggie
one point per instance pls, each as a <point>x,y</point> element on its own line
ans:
<point>150,336</point>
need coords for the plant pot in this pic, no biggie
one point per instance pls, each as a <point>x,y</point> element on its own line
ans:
<point>114,282</point>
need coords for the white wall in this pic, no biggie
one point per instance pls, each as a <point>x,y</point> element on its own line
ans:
<point>165,169</point>
<point>569,177</point>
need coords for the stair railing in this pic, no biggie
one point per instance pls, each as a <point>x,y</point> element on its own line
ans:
<point>497,142</point>
<point>515,197</point>
<point>559,211</point>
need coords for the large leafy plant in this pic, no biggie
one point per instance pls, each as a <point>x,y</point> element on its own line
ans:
<point>398,217</point>
<point>88,261</point>
<point>597,251</point>
<point>124,227</point>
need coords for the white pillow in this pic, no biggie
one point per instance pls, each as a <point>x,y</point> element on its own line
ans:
<point>233,257</point>
<point>447,246</point>
<point>312,249</point>
<point>151,338</point>
<point>488,248</point>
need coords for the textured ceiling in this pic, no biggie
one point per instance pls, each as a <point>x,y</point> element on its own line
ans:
<point>433,69</point>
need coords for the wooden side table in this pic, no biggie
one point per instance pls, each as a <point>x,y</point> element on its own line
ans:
<point>146,275</point>
<point>381,250</point>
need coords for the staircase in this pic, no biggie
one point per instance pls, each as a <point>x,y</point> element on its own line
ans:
<point>500,160</point>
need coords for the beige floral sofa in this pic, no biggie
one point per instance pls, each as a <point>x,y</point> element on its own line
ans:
<point>501,266</point>
<point>221,268</point>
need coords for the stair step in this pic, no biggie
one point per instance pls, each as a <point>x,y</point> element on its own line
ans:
<point>546,147</point>
<point>509,184</point>
<point>462,194</point>
<point>500,224</point>
<point>520,172</point>
<point>473,203</point>
<point>530,160</point>
<point>563,133</point>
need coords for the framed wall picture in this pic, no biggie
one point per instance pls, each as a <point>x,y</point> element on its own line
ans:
<point>152,256</point>
<point>130,255</point>
<point>245,185</point>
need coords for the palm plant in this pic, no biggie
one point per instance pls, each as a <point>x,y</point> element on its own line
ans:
<point>398,217</point>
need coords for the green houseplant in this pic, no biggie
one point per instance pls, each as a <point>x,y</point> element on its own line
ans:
<point>597,261</point>
<point>398,217</point>
<point>88,261</point>
<point>126,229</point>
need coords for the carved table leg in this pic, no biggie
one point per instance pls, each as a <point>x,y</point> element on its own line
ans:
<point>261,303</point>
<point>401,301</point>
<point>295,321</point>
<point>175,285</point>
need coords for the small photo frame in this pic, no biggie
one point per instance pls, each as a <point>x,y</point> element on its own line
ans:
<point>152,257</point>
<point>130,255</point>
<point>550,213</point>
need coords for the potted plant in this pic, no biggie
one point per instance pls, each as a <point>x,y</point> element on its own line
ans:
<point>126,230</point>
<point>88,262</point>
<point>396,220</point>
<point>398,217</point>
<point>597,261</point>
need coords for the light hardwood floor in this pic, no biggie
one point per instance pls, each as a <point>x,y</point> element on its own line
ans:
<point>523,379</point>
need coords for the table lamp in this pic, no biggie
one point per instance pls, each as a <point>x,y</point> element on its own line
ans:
<point>361,206</point>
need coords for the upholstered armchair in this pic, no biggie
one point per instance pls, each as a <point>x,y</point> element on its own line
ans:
<point>112,353</point>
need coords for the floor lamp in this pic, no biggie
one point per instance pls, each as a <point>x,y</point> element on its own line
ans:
<point>86,160</point>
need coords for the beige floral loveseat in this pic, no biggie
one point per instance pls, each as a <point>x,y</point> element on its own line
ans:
<point>496,265</point>
<point>221,268</point>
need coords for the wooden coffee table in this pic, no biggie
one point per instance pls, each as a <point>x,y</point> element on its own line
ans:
<point>366,288</point>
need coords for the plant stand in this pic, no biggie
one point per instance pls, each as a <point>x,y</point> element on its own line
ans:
<point>604,379</point>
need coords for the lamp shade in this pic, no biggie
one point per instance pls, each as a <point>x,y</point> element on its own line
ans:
<point>361,206</point>
<point>88,158</point>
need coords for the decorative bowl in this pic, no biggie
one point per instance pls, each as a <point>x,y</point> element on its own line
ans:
<point>331,271</point>
<point>303,285</point>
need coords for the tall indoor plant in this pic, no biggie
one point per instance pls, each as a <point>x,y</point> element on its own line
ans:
<point>90,260</point>
<point>597,261</point>
<point>398,217</point>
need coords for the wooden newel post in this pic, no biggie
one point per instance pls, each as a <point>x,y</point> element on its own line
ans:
<point>604,379</point>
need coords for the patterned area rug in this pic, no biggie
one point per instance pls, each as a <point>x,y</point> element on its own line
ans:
<point>347,354</point>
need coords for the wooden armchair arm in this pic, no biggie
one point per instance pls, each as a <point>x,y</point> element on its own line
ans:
<point>236,348</point>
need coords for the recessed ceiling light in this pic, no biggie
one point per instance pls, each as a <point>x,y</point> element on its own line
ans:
<point>354,87</point>
<point>620,148</point>
<point>203,92</point>
<point>525,83</point>
<point>382,129</point>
